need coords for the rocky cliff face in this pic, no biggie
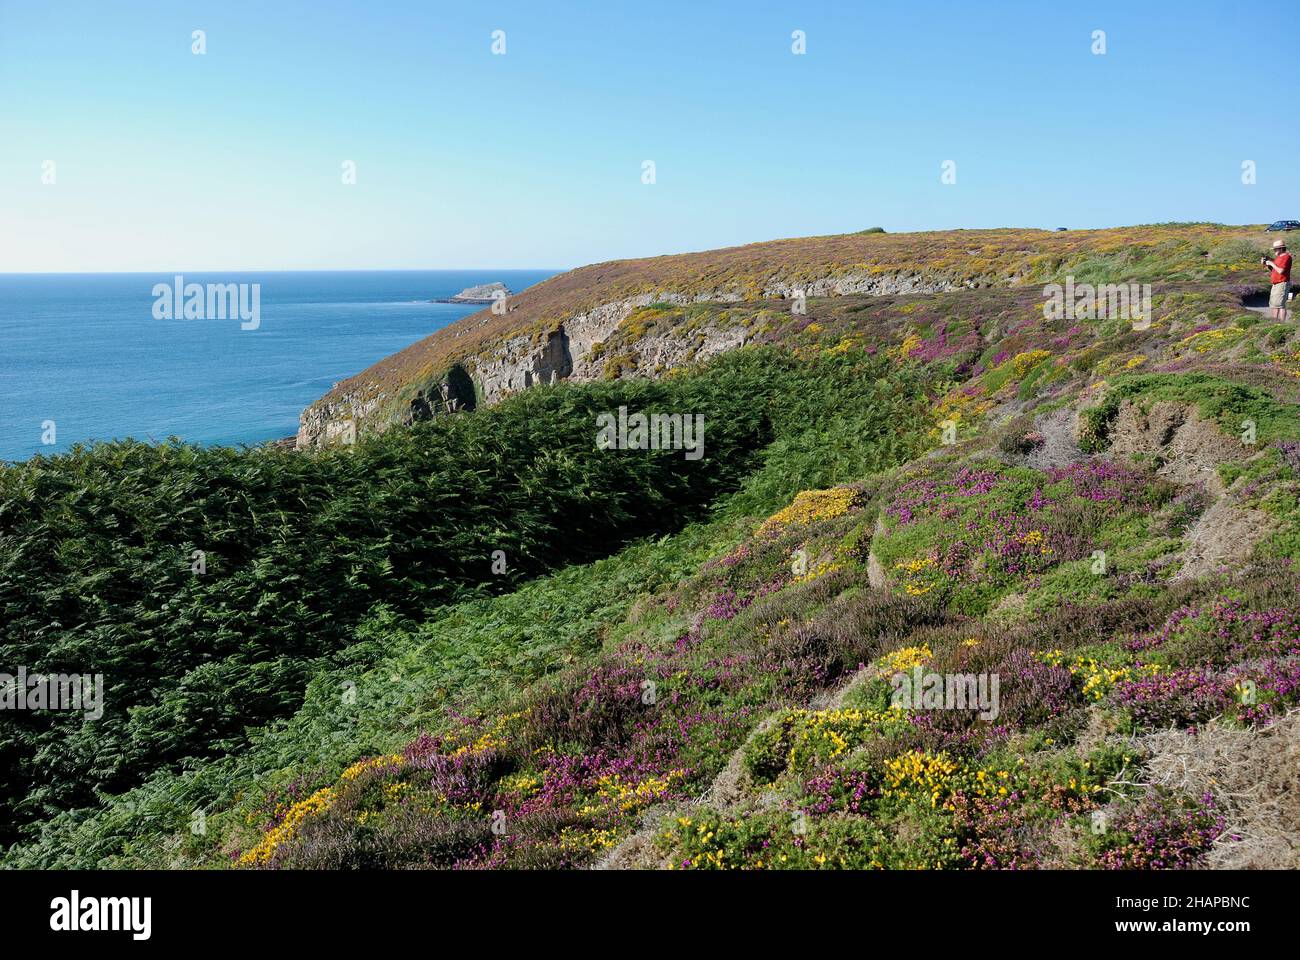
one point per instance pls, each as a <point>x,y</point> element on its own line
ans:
<point>520,363</point>
<point>653,353</point>
<point>341,418</point>
<point>453,393</point>
<point>326,423</point>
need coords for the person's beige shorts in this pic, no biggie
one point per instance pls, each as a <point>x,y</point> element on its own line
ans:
<point>1277,296</point>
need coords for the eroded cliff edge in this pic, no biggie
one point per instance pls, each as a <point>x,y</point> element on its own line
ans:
<point>644,317</point>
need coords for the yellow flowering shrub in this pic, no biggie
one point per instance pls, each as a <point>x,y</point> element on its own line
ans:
<point>900,661</point>
<point>594,840</point>
<point>390,761</point>
<point>826,734</point>
<point>820,570</point>
<point>486,741</point>
<point>920,774</point>
<point>918,576</point>
<point>809,507</point>
<point>288,827</point>
<point>521,784</point>
<point>1035,540</point>
<point>393,792</point>
<point>613,792</point>
<point>1098,678</point>
<point>909,344</point>
<point>1022,363</point>
<point>957,406</point>
<point>1208,340</point>
<point>491,738</point>
<point>292,818</point>
<point>1290,362</point>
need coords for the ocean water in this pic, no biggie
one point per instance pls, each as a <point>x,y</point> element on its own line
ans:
<point>86,352</point>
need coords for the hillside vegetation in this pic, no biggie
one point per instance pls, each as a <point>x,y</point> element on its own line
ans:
<point>693,664</point>
<point>487,343</point>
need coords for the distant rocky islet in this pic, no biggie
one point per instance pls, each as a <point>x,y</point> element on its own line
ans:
<point>483,293</point>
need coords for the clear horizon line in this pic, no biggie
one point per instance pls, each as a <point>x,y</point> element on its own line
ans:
<point>103,273</point>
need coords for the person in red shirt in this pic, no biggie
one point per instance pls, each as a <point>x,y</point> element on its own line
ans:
<point>1280,276</point>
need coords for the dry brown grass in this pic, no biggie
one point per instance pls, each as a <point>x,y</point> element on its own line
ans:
<point>1254,776</point>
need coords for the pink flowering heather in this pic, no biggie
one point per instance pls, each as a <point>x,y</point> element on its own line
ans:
<point>1277,689</point>
<point>973,483</point>
<point>913,498</point>
<point>1175,698</point>
<point>1290,450</point>
<point>1103,481</point>
<point>939,347</point>
<point>838,790</point>
<point>1160,834</point>
<point>1274,631</point>
<point>1172,623</point>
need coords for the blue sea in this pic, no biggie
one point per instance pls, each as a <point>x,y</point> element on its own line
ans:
<point>86,352</point>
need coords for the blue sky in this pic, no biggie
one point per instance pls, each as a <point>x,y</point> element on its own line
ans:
<point>233,160</point>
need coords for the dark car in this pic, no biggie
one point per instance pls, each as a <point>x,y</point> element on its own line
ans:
<point>1284,225</point>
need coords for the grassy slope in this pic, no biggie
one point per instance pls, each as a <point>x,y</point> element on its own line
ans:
<point>96,548</point>
<point>536,704</point>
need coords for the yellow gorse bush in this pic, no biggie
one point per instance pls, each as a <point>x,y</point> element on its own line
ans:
<point>1098,678</point>
<point>903,659</point>
<point>320,801</point>
<point>393,792</point>
<point>387,761</point>
<point>1208,340</point>
<point>825,734</point>
<point>918,575</point>
<point>920,774</point>
<point>811,506</point>
<point>521,784</point>
<point>1022,363</point>
<point>615,793</point>
<point>910,343</point>
<point>286,829</point>
<point>1290,362</point>
<point>491,738</point>
<point>1036,539</point>
<point>485,742</point>
<point>828,566</point>
<point>956,407</point>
